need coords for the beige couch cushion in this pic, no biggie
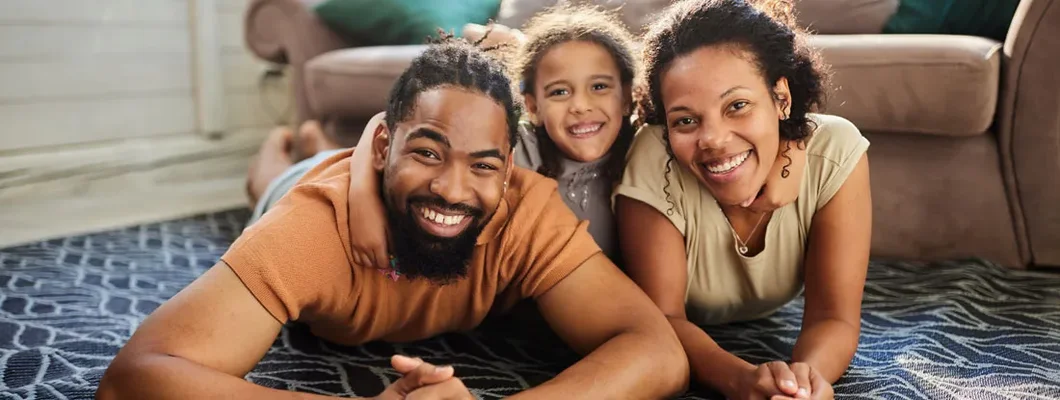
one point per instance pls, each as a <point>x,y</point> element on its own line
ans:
<point>356,82</point>
<point>929,84</point>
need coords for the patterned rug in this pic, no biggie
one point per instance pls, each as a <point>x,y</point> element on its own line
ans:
<point>955,330</point>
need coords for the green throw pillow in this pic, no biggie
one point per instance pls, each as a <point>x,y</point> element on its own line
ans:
<point>986,18</point>
<point>397,22</point>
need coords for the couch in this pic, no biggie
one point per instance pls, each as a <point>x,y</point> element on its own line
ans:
<point>965,130</point>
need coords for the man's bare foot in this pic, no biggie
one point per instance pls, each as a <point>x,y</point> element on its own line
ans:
<point>312,140</point>
<point>272,159</point>
<point>498,34</point>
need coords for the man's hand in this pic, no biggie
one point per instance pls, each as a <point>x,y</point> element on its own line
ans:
<point>423,380</point>
<point>777,380</point>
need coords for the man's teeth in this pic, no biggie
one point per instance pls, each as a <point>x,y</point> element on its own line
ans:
<point>440,218</point>
<point>728,165</point>
<point>584,129</point>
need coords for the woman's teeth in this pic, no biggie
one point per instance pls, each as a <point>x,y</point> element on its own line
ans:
<point>440,218</point>
<point>584,129</point>
<point>730,164</point>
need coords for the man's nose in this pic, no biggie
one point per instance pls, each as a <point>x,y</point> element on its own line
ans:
<point>452,186</point>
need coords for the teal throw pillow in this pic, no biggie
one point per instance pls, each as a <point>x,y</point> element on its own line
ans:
<point>400,22</point>
<point>986,18</point>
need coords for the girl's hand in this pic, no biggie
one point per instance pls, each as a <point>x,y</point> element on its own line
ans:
<point>784,181</point>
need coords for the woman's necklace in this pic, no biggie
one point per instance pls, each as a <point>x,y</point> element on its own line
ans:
<point>742,248</point>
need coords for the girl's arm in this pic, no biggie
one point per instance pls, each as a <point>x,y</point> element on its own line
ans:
<point>367,213</point>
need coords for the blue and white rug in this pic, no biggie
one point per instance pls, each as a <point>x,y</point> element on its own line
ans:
<point>956,330</point>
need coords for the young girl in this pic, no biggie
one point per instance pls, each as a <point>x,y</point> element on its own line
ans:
<point>577,69</point>
<point>730,84</point>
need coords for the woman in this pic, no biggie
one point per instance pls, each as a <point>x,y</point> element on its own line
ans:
<point>729,82</point>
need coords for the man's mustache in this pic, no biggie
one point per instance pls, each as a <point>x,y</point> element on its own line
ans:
<point>439,203</point>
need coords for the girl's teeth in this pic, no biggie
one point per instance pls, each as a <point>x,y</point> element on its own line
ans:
<point>586,129</point>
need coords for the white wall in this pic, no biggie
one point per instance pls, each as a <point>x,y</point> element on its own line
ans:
<point>75,71</point>
<point>98,115</point>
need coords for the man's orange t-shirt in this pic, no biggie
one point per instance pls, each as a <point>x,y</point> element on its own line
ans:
<point>297,262</point>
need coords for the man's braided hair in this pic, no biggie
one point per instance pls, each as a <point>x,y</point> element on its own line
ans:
<point>454,62</point>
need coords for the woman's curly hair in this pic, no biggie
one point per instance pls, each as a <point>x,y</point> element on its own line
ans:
<point>765,28</point>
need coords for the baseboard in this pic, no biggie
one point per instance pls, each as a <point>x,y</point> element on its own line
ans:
<point>62,191</point>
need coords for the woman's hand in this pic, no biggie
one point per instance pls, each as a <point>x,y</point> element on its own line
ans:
<point>778,380</point>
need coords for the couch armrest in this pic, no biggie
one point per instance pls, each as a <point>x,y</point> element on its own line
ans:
<point>288,32</point>
<point>1029,125</point>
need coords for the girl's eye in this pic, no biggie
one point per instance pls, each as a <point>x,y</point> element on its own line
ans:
<point>600,86</point>
<point>739,105</point>
<point>558,92</point>
<point>426,153</point>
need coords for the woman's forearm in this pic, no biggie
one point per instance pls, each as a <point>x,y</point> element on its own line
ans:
<point>711,365</point>
<point>827,346</point>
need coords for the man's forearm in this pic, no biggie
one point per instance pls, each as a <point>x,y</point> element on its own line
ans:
<point>630,365</point>
<point>711,365</point>
<point>167,377</point>
<point>828,346</point>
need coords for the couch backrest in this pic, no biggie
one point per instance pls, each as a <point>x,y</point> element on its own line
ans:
<point>820,16</point>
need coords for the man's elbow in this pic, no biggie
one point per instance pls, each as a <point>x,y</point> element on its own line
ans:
<point>668,365</point>
<point>121,377</point>
<point>675,366</point>
<point>110,385</point>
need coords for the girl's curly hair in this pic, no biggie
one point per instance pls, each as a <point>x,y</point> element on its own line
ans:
<point>567,23</point>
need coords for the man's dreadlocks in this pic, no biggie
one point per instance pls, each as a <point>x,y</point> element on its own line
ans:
<point>451,61</point>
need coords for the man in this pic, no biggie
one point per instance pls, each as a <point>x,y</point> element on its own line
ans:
<point>470,231</point>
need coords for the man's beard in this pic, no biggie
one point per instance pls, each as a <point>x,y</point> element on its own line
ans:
<point>442,260</point>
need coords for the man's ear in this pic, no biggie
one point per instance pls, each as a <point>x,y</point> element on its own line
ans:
<point>380,147</point>
<point>783,97</point>
<point>627,100</point>
<point>531,108</point>
<point>509,165</point>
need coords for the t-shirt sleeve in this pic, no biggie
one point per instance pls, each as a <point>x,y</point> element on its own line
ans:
<point>645,178</point>
<point>547,240</point>
<point>293,259</point>
<point>837,153</point>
